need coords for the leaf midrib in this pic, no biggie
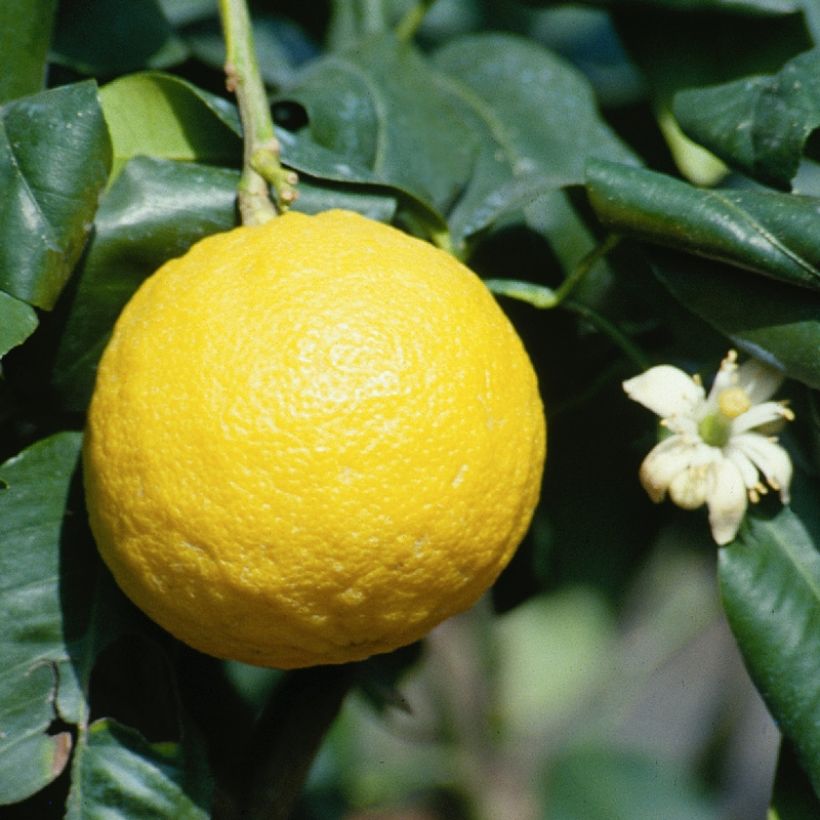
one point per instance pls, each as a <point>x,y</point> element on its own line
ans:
<point>746,217</point>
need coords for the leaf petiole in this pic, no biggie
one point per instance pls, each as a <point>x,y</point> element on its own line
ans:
<point>545,298</point>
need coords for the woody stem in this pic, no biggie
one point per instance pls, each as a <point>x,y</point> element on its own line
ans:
<point>260,166</point>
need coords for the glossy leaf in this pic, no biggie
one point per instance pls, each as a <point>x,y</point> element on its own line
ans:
<point>477,162</point>
<point>327,180</point>
<point>509,197</point>
<point>302,153</point>
<point>117,773</point>
<point>660,40</point>
<point>159,115</point>
<point>379,107</point>
<point>102,37</point>
<point>17,322</point>
<point>25,33</point>
<point>758,124</point>
<point>762,231</point>
<point>616,784</point>
<point>534,116</point>
<point>154,211</point>
<point>54,160</point>
<point>508,81</point>
<point>33,653</point>
<point>376,203</point>
<point>770,588</point>
<point>769,320</point>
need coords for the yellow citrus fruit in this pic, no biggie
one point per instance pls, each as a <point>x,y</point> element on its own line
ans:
<point>311,441</point>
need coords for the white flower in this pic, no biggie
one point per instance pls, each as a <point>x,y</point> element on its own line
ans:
<point>719,444</point>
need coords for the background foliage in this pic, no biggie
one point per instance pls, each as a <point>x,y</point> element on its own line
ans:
<point>600,678</point>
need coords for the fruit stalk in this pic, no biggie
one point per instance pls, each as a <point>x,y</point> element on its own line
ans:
<point>260,166</point>
<point>288,734</point>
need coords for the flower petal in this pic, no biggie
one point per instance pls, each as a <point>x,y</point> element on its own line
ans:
<point>665,390</point>
<point>688,489</point>
<point>725,378</point>
<point>672,456</point>
<point>685,425</point>
<point>726,499</point>
<point>744,464</point>
<point>758,380</point>
<point>758,415</point>
<point>770,458</point>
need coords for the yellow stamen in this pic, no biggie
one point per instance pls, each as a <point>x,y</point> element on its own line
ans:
<point>733,402</point>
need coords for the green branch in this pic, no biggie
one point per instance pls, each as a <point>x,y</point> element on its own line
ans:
<point>260,165</point>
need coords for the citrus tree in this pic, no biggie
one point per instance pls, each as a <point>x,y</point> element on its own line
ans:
<point>315,434</point>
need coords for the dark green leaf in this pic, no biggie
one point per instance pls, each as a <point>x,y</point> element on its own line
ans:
<point>17,322</point>
<point>612,784</point>
<point>158,115</point>
<point>767,319</point>
<point>154,211</point>
<point>379,107</point>
<point>118,774</point>
<point>729,46</point>
<point>509,197</point>
<point>301,153</point>
<point>533,115</point>
<point>507,82</point>
<point>102,37</point>
<point>758,124</point>
<point>320,168</point>
<point>762,231</point>
<point>376,202</point>
<point>587,38</point>
<point>793,797</point>
<point>32,645</point>
<point>25,33</point>
<point>770,588</point>
<point>363,108</point>
<point>54,160</point>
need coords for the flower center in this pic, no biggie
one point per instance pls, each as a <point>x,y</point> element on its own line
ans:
<point>733,402</point>
<point>716,428</point>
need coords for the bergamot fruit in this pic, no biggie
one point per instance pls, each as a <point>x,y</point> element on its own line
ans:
<point>311,441</point>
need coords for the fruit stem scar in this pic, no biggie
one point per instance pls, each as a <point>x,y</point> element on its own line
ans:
<point>260,164</point>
